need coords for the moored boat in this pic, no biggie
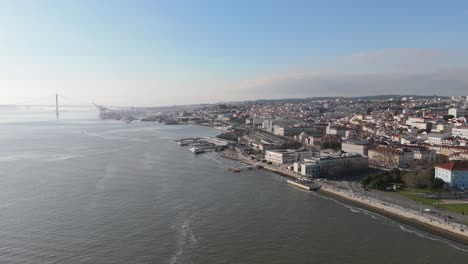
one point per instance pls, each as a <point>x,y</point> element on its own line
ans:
<point>196,150</point>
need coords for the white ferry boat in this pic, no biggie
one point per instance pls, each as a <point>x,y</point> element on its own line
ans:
<point>196,150</point>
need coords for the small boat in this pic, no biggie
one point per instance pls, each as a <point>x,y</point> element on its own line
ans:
<point>234,169</point>
<point>128,119</point>
<point>196,150</point>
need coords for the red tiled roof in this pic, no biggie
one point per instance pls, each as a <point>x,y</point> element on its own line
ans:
<point>459,166</point>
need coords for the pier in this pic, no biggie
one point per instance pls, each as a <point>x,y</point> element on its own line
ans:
<point>205,143</point>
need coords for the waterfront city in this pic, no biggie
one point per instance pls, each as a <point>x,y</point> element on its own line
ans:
<point>233,132</point>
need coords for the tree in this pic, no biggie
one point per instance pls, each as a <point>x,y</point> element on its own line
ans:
<point>335,145</point>
<point>418,179</point>
<point>376,183</point>
<point>291,145</point>
<point>410,179</point>
<point>437,183</point>
<point>366,180</point>
<point>396,175</point>
<point>447,117</point>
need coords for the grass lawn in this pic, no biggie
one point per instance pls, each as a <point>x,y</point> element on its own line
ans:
<point>459,208</point>
<point>413,195</point>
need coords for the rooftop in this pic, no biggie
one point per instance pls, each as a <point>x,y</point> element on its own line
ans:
<point>454,165</point>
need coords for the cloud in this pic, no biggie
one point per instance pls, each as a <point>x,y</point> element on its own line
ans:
<point>393,71</point>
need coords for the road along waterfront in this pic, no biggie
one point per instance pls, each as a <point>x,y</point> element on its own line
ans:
<point>429,223</point>
<point>434,224</point>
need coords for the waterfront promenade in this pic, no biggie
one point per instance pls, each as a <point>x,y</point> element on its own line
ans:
<point>427,221</point>
<point>424,220</point>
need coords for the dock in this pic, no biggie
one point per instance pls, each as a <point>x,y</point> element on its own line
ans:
<point>305,186</point>
<point>204,144</point>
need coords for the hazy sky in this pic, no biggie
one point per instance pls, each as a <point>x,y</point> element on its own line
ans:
<point>177,52</point>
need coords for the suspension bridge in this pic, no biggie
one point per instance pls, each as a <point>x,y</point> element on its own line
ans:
<point>126,114</point>
<point>58,100</point>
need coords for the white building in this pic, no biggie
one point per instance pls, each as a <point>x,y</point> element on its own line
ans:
<point>287,156</point>
<point>334,130</point>
<point>436,138</point>
<point>457,112</point>
<point>417,122</point>
<point>454,174</point>
<point>360,148</point>
<point>331,165</point>
<point>460,132</point>
<point>289,131</point>
<point>268,125</point>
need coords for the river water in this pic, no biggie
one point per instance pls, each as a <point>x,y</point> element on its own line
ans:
<point>82,190</point>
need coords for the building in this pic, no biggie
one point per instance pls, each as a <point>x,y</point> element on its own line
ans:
<point>391,158</point>
<point>287,156</point>
<point>331,165</point>
<point>290,131</point>
<point>459,156</point>
<point>266,144</point>
<point>356,147</point>
<point>302,137</point>
<point>457,112</point>
<point>423,154</point>
<point>267,125</point>
<point>255,121</point>
<point>451,150</point>
<point>460,132</point>
<point>418,123</point>
<point>224,117</point>
<point>336,130</point>
<point>408,139</point>
<point>454,174</point>
<point>436,138</point>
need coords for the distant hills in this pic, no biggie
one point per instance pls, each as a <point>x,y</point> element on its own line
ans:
<point>296,100</point>
<point>367,98</point>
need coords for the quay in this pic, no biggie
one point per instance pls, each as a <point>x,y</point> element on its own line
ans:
<point>204,144</point>
<point>305,186</point>
<point>430,224</point>
<point>282,172</point>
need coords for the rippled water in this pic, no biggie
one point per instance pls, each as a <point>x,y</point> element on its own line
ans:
<point>82,190</point>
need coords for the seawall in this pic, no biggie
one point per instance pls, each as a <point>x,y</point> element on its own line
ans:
<point>432,227</point>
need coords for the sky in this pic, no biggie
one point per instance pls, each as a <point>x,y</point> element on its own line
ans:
<point>155,53</point>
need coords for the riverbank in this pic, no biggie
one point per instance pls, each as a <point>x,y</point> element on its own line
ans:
<point>425,222</point>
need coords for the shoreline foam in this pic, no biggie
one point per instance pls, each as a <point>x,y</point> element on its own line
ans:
<point>380,207</point>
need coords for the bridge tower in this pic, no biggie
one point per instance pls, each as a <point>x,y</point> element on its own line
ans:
<point>56,106</point>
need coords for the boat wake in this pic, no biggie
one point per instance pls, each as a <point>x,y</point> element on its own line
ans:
<point>185,239</point>
<point>106,136</point>
<point>210,157</point>
<point>110,171</point>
